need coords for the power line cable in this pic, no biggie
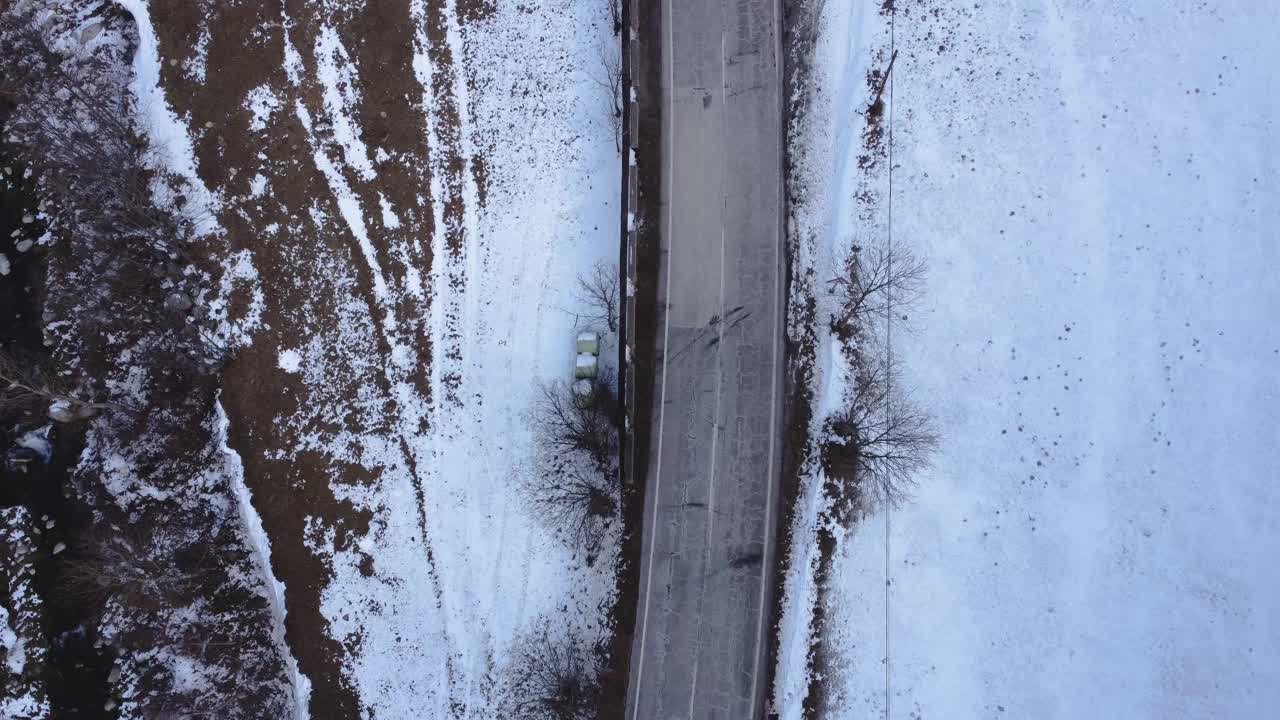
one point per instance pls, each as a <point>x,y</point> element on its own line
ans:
<point>888,404</point>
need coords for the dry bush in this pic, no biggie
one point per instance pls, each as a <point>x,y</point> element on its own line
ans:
<point>107,563</point>
<point>28,388</point>
<point>552,680</point>
<point>121,257</point>
<point>74,129</point>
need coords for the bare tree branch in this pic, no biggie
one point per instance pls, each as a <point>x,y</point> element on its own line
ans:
<point>874,277</point>
<point>106,562</point>
<point>877,443</point>
<point>607,74</point>
<point>27,388</point>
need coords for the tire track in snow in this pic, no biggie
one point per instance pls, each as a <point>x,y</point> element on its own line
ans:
<point>339,77</point>
<point>449,305</point>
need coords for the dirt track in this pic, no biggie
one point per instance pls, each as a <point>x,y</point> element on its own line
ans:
<point>314,285</point>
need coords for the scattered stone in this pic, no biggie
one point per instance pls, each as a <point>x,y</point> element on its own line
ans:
<point>90,32</point>
<point>59,548</point>
<point>4,264</point>
<point>28,219</point>
<point>65,411</point>
<point>24,245</point>
<point>177,302</point>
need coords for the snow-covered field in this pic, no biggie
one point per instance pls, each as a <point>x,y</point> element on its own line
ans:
<point>1094,186</point>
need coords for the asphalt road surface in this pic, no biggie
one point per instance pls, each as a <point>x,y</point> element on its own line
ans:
<point>708,555</point>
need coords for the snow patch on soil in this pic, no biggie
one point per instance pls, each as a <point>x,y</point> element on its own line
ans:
<point>262,103</point>
<point>290,361</point>
<point>169,136</point>
<point>261,545</point>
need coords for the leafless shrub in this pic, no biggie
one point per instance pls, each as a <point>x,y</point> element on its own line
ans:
<point>872,280</point>
<point>598,292</point>
<point>575,486</point>
<point>207,705</point>
<point>28,390</point>
<point>76,132</point>
<point>109,563</point>
<point>126,254</point>
<point>552,680</point>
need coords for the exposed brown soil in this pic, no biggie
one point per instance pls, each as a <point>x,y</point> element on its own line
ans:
<point>293,490</point>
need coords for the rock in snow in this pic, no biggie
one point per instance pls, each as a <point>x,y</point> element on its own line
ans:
<point>177,302</point>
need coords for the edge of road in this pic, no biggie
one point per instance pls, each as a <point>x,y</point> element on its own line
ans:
<point>662,289</point>
<point>640,251</point>
<point>766,645</point>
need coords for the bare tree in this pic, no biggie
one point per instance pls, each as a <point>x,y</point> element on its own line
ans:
<point>877,443</point>
<point>580,502</point>
<point>607,74</point>
<point>80,140</point>
<point>126,255</point>
<point>575,486</point>
<point>598,292</point>
<point>568,423</point>
<point>874,279</point>
<point>553,680</point>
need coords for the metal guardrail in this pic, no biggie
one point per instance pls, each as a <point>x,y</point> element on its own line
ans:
<point>627,245</point>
